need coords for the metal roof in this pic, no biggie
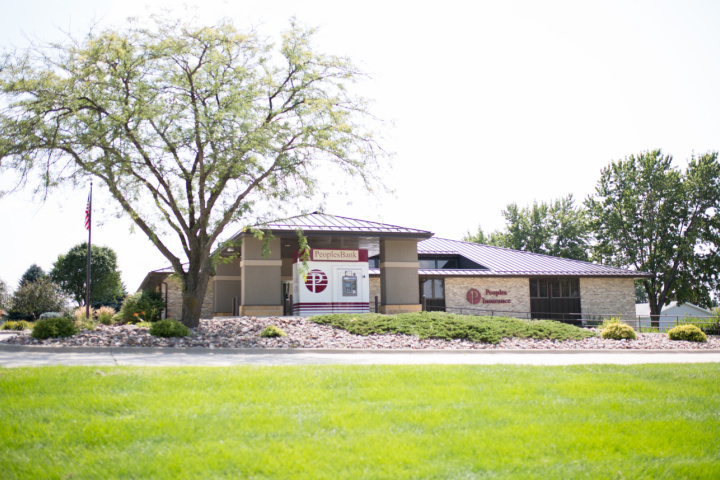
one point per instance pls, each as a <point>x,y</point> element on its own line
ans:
<point>323,223</point>
<point>504,261</point>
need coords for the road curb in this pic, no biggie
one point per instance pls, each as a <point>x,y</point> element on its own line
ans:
<point>295,351</point>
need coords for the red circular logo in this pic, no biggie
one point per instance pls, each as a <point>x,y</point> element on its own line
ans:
<point>473,296</point>
<point>316,281</point>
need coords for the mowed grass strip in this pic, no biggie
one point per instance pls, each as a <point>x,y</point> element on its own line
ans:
<point>330,422</point>
<point>447,326</point>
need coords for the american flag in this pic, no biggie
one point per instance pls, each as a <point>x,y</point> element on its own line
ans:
<point>87,213</point>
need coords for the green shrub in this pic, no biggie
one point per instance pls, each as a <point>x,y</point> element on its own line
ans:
<point>271,331</point>
<point>618,331</point>
<point>105,315</point>
<point>145,306</point>
<point>18,325</point>
<point>54,327</point>
<point>51,315</point>
<point>448,326</point>
<point>169,328</point>
<point>143,324</point>
<point>691,333</point>
<point>709,325</point>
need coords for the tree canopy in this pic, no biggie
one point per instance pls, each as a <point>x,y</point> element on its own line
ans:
<point>558,228</point>
<point>38,297</point>
<point>32,274</point>
<point>69,272</point>
<point>5,296</point>
<point>651,216</point>
<point>188,127</point>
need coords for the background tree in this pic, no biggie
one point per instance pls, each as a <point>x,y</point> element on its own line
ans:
<point>5,296</point>
<point>650,216</point>
<point>32,274</point>
<point>36,298</point>
<point>558,228</point>
<point>188,127</point>
<point>69,272</point>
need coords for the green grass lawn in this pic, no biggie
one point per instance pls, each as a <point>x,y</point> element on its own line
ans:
<point>394,422</point>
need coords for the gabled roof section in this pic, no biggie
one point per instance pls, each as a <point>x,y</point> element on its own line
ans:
<point>504,261</point>
<point>323,223</point>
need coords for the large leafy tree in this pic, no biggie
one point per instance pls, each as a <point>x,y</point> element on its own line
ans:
<point>558,228</point>
<point>70,273</point>
<point>188,127</point>
<point>648,215</point>
<point>36,298</point>
<point>5,296</point>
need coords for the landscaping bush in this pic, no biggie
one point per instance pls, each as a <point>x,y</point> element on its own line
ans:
<point>618,331</point>
<point>105,315</point>
<point>142,306</point>
<point>271,331</point>
<point>169,328</point>
<point>81,321</point>
<point>51,315</point>
<point>691,333</point>
<point>18,325</point>
<point>448,326</point>
<point>709,325</point>
<point>54,327</point>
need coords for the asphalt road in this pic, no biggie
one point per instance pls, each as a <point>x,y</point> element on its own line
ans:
<point>19,356</point>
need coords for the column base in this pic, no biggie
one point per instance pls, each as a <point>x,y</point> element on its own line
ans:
<point>261,310</point>
<point>393,309</point>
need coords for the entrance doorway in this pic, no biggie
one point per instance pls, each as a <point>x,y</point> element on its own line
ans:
<point>433,289</point>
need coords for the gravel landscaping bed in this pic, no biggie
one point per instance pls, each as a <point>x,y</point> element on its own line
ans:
<point>244,332</point>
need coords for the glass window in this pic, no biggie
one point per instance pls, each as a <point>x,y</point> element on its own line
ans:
<point>574,287</point>
<point>446,263</point>
<point>565,288</point>
<point>555,289</point>
<point>427,263</point>
<point>542,288</point>
<point>427,288</point>
<point>533,288</point>
<point>439,288</point>
<point>374,262</point>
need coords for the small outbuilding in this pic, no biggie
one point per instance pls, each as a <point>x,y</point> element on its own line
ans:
<point>407,270</point>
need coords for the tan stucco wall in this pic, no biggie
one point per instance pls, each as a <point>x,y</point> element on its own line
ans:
<point>399,272</point>
<point>518,292</point>
<point>174,296</point>
<point>607,296</point>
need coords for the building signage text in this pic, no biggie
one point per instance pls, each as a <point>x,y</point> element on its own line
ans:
<point>324,255</point>
<point>474,296</point>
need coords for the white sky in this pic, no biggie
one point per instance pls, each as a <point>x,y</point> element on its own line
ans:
<point>493,102</point>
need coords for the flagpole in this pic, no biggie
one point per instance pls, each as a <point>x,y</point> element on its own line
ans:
<point>88,224</point>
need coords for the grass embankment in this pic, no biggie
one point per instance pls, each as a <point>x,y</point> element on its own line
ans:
<point>447,326</point>
<point>330,422</point>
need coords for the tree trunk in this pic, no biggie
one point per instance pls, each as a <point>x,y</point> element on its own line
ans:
<point>193,295</point>
<point>655,310</point>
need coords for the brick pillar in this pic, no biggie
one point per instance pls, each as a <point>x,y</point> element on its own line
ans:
<point>399,276</point>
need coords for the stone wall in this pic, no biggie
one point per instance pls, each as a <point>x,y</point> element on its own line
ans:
<point>174,296</point>
<point>517,291</point>
<point>607,295</point>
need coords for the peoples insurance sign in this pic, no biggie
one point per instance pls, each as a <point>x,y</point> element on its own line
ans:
<point>491,296</point>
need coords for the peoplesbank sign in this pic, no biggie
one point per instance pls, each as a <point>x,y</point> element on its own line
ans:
<point>327,255</point>
<point>474,297</point>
